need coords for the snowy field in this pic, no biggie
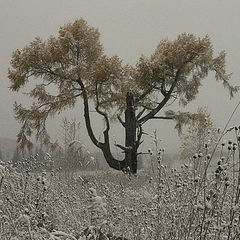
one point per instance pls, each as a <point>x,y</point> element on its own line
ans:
<point>183,203</point>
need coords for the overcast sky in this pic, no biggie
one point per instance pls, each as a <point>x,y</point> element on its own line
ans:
<point>128,28</point>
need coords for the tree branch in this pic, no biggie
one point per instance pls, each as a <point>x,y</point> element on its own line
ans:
<point>139,136</point>
<point>161,117</point>
<point>140,113</point>
<point>147,108</point>
<point>125,149</point>
<point>162,103</point>
<point>143,95</point>
<point>105,147</point>
<point>87,115</point>
<point>163,88</point>
<point>121,121</point>
<point>106,136</point>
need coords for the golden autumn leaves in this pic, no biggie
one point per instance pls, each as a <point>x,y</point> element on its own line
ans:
<point>74,63</point>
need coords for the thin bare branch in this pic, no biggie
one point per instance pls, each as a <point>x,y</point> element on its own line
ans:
<point>121,121</point>
<point>125,149</point>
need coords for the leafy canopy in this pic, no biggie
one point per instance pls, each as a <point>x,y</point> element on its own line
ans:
<point>75,64</point>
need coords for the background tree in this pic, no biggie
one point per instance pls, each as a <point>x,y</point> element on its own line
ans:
<point>74,155</point>
<point>75,65</point>
<point>39,154</point>
<point>17,158</point>
<point>1,155</point>
<point>199,137</point>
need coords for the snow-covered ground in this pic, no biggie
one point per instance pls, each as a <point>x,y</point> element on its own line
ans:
<point>172,204</point>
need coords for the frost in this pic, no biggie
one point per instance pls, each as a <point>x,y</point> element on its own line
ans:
<point>63,234</point>
<point>97,208</point>
<point>208,205</point>
<point>23,218</point>
<point>89,205</point>
<point>2,171</point>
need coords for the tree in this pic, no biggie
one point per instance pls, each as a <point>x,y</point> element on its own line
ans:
<point>1,155</point>
<point>16,157</point>
<point>75,157</point>
<point>199,137</point>
<point>74,63</point>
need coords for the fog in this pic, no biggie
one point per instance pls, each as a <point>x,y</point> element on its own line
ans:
<point>129,28</point>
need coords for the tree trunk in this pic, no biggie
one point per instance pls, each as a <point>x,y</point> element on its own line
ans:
<point>130,136</point>
<point>129,163</point>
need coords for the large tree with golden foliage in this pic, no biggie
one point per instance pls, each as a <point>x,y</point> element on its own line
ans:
<point>75,64</point>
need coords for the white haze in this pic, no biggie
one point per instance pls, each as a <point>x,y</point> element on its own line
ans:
<point>128,28</point>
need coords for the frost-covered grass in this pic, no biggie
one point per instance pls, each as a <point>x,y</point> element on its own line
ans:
<point>191,202</point>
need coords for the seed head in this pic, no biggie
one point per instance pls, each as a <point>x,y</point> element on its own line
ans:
<point>195,156</point>
<point>208,156</point>
<point>150,151</point>
<point>196,180</point>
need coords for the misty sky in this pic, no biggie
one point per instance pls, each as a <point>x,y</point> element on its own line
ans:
<point>128,28</point>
